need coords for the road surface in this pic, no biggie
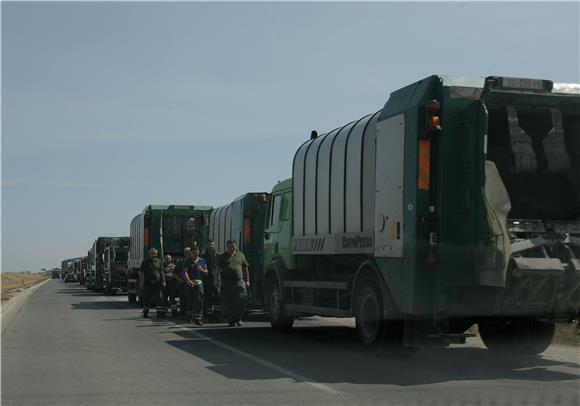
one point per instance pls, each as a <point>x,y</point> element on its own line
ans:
<point>72,347</point>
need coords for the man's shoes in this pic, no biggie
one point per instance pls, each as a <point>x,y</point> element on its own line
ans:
<point>198,323</point>
<point>239,323</point>
<point>231,324</point>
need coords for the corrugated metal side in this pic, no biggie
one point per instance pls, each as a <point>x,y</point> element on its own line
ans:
<point>337,186</point>
<point>334,181</point>
<point>310,167</point>
<point>323,184</point>
<point>298,187</point>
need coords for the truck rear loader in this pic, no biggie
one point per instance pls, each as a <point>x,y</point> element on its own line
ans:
<point>456,203</point>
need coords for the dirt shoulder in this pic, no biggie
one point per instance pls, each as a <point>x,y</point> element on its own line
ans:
<point>13,283</point>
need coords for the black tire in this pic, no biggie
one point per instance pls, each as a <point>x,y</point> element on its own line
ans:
<point>517,336</point>
<point>370,323</point>
<point>132,297</point>
<point>278,320</point>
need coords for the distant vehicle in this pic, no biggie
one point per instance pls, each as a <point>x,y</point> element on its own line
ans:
<point>55,274</point>
<point>115,266</point>
<point>70,277</point>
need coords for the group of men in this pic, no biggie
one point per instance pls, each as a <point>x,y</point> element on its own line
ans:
<point>200,282</point>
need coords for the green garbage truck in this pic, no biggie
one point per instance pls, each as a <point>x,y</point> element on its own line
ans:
<point>457,203</point>
<point>169,229</point>
<point>243,220</point>
<point>115,259</point>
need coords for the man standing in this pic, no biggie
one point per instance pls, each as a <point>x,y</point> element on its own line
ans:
<point>151,281</point>
<point>235,279</point>
<point>211,281</point>
<point>170,290</point>
<point>194,268</point>
<point>178,276</point>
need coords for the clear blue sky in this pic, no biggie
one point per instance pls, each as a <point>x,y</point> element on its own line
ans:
<point>107,107</point>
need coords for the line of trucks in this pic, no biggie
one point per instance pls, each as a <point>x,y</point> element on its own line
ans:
<point>457,203</point>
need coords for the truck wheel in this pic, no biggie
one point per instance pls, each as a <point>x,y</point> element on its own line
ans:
<point>370,323</point>
<point>278,320</point>
<point>132,297</point>
<point>518,336</point>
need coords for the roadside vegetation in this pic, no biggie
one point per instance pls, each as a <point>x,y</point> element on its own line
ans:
<point>12,283</point>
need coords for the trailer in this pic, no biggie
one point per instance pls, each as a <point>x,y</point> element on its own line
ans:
<point>456,203</point>
<point>169,229</point>
<point>89,270</point>
<point>243,220</point>
<point>115,259</point>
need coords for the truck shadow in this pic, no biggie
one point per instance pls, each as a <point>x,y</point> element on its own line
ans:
<point>334,355</point>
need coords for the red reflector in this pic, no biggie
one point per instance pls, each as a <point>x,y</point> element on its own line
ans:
<point>424,164</point>
<point>432,259</point>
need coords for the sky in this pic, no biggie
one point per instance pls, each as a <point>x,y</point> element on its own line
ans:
<point>108,107</point>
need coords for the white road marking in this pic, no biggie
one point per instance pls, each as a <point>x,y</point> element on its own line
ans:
<point>267,364</point>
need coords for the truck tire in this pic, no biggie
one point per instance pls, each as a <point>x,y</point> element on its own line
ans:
<point>370,323</point>
<point>132,297</point>
<point>278,320</point>
<point>518,336</point>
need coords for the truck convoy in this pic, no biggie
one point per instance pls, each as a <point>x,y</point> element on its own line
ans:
<point>457,203</point>
<point>115,259</point>
<point>169,229</point>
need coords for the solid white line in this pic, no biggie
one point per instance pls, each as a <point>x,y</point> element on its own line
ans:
<point>267,364</point>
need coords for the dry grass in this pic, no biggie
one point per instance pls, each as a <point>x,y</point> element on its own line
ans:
<point>566,333</point>
<point>12,283</point>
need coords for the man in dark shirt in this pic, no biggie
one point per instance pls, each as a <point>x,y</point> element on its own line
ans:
<point>211,281</point>
<point>151,281</point>
<point>194,268</point>
<point>235,279</point>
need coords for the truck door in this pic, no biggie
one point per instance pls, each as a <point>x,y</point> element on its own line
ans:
<point>271,235</point>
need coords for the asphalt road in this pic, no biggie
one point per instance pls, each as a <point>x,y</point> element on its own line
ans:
<point>72,347</point>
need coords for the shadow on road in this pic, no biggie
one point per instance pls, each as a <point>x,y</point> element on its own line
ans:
<point>334,355</point>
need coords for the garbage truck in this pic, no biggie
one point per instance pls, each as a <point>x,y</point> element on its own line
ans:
<point>457,203</point>
<point>115,258</point>
<point>169,229</point>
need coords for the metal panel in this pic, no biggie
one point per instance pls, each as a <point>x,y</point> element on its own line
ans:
<point>237,219</point>
<point>323,184</point>
<point>221,229</point>
<point>310,187</point>
<point>228,225</point>
<point>352,204</point>
<point>298,188</point>
<point>368,173</point>
<point>338,153</point>
<point>389,185</point>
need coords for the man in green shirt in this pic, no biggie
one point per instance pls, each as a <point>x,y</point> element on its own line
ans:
<point>211,280</point>
<point>235,279</point>
<point>151,281</point>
